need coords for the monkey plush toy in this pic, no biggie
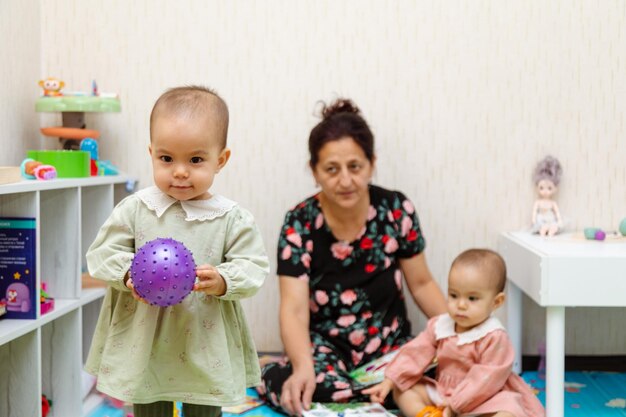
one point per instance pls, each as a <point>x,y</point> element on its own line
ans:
<point>51,86</point>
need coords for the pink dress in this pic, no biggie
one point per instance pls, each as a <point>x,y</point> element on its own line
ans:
<point>474,373</point>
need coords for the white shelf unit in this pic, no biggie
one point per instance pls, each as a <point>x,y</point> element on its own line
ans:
<point>45,355</point>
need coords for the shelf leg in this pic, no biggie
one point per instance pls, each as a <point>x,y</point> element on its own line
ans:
<point>514,320</point>
<point>555,360</point>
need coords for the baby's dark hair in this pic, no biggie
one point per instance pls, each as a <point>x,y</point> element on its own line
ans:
<point>191,101</point>
<point>341,118</point>
<point>486,259</point>
<point>549,168</point>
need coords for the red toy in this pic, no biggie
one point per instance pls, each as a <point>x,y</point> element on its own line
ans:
<point>45,406</point>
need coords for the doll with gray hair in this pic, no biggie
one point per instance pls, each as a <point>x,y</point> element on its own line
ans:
<point>546,217</point>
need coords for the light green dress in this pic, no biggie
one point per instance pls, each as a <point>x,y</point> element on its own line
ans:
<point>199,351</point>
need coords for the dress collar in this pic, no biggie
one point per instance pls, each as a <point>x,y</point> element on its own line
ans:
<point>444,327</point>
<point>157,201</point>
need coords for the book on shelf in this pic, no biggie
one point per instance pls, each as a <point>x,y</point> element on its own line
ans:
<point>18,283</point>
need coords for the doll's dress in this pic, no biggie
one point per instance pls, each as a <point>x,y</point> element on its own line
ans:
<point>544,217</point>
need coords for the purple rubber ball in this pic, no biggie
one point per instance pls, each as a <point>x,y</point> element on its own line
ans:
<point>163,272</point>
<point>600,235</point>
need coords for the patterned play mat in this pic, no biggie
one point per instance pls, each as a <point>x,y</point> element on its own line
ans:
<point>589,394</point>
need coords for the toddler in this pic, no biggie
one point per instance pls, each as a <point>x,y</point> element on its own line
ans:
<point>474,354</point>
<point>200,351</point>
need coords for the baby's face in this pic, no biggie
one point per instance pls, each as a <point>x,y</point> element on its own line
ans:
<point>186,155</point>
<point>471,297</point>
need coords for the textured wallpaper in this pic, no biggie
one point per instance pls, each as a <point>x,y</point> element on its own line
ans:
<point>20,64</point>
<point>464,97</point>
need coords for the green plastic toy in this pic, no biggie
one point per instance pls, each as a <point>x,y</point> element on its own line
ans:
<point>78,104</point>
<point>69,164</point>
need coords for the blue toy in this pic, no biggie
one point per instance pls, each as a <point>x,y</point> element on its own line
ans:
<point>90,145</point>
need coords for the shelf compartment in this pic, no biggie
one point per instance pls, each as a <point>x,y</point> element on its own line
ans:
<point>19,205</point>
<point>61,364</point>
<point>90,313</point>
<point>20,388</point>
<point>96,206</point>
<point>59,242</point>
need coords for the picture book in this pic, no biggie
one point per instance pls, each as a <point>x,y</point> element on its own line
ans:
<point>372,372</point>
<point>347,410</point>
<point>18,283</point>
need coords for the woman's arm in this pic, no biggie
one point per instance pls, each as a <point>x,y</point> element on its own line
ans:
<point>298,389</point>
<point>423,288</point>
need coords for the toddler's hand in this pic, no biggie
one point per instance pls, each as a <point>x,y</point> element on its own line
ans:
<point>130,286</point>
<point>448,412</point>
<point>210,281</point>
<point>379,392</point>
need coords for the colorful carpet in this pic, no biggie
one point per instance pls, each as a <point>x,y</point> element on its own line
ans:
<point>260,411</point>
<point>588,394</point>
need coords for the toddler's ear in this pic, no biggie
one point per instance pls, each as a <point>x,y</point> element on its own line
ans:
<point>150,149</point>
<point>499,300</point>
<point>223,158</point>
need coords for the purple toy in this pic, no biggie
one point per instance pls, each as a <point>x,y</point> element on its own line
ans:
<point>163,272</point>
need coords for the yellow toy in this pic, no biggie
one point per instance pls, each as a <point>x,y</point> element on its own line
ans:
<point>430,411</point>
<point>51,86</point>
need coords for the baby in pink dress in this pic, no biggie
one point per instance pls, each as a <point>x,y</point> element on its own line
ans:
<point>474,354</point>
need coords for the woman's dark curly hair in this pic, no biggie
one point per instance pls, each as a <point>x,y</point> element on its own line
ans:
<point>340,119</point>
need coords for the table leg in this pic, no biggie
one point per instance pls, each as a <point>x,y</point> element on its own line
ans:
<point>514,323</point>
<point>555,360</point>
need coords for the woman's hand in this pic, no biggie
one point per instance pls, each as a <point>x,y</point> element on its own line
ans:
<point>297,391</point>
<point>210,281</point>
<point>379,392</point>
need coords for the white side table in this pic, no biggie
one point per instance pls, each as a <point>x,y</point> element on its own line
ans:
<point>558,272</point>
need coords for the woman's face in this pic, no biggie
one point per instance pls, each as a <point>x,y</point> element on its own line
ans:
<point>344,172</point>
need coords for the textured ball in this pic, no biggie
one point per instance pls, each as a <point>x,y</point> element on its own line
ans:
<point>590,232</point>
<point>622,227</point>
<point>600,235</point>
<point>163,272</point>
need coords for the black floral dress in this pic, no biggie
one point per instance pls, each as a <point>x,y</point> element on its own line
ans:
<point>357,308</point>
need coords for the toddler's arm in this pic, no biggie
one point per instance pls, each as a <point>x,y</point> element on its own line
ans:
<point>246,264</point>
<point>110,255</point>
<point>407,368</point>
<point>486,377</point>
